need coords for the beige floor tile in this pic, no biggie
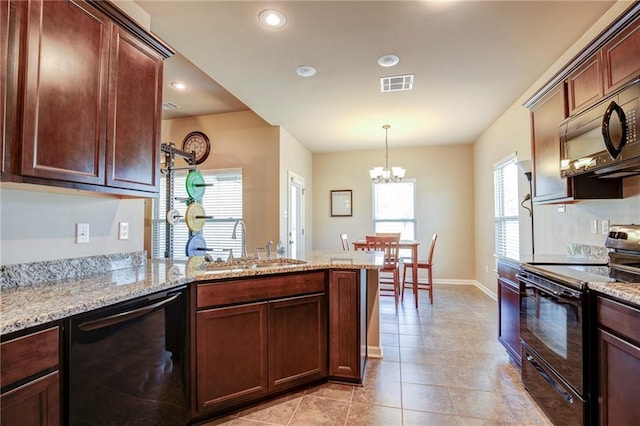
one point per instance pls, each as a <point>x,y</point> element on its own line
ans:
<point>435,399</point>
<point>335,391</point>
<point>320,411</point>
<point>379,392</point>
<point>424,374</point>
<point>467,378</point>
<point>373,415</point>
<point>481,404</point>
<point>422,418</point>
<point>382,370</point>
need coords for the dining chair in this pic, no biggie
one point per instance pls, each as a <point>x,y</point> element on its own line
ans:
<point>344,239</point>
<point>389,279</point>
<point>415,282</point>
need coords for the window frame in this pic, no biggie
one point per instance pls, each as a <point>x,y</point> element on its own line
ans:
<point>506,207</point>
<point>412,220</point>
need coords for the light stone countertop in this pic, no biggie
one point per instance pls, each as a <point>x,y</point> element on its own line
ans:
<point>625,292</point>
<point>35,304</point>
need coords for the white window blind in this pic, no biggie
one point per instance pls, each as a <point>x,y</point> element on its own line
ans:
<point>394,209</point>
<point>507,225</point>
<point>222,201</point>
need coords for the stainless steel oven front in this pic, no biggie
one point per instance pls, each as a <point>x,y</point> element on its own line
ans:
<point>553,331</point>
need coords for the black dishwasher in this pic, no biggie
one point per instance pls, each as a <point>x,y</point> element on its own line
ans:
<point>127,362</point>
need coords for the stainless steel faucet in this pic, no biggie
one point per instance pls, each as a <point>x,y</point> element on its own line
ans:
<point>244,236</point>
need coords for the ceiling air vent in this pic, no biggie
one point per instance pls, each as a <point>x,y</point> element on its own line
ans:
<point>396,83</point>
<point>168,106</point>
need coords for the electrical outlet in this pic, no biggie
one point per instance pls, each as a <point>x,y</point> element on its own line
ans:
<point>123,230</point>
<point>594,226</point>
<point>604,225</point>
<point>561,208</point>
<point>82,233</point>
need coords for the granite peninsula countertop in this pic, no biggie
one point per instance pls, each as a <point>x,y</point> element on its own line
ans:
<point>23,306</point>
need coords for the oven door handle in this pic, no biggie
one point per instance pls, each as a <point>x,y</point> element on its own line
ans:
<point>563,393</point>
<point>125,316</point>
<point>562,293</point>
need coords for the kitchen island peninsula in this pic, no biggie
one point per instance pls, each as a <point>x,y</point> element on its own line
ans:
<point>250,333</point>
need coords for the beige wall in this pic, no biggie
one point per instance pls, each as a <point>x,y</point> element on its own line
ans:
<point>39,223</point>
<point>510,133</point>
<point>296,158</point>
<point>445,183</point>
<point>241,140</point>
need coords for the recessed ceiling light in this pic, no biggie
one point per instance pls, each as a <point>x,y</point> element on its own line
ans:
<point>306,71</point>
<point>388,60</point>
<point>272,18</point>
<point>179,85</point>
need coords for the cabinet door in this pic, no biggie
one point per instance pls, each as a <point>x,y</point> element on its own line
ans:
<point>619,378</point>
<point>64,127</point>
<point>584,85</point>
<point>135,96</point>
<point>297,341</point>
<point>4,56</point>
<point>231,355</point>
<point>345,325</point>
<point>621,57</point>
<point>509,318</point>
<point>35,403</point>
<point>545,117</point>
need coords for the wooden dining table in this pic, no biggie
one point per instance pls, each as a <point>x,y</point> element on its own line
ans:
<point>404,244</point>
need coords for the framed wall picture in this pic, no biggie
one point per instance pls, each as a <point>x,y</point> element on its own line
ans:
<point>341,203</point>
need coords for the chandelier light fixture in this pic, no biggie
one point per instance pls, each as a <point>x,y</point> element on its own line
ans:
<point>385,174</point>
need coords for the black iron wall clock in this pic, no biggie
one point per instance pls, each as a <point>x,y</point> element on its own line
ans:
<point>198,142</point>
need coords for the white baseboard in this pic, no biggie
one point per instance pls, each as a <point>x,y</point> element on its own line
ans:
<point>374,352</point>
<point>475,283</point>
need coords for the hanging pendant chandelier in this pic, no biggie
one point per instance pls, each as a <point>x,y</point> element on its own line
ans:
<point>385,174</point>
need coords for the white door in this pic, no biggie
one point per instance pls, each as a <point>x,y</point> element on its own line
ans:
<point>295,217</point>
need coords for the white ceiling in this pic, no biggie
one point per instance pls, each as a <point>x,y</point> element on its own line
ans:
<point>471,60</point>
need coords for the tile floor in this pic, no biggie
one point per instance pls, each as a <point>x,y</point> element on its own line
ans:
<point>442,365</point>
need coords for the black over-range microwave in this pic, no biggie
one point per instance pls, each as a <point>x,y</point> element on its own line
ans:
<point>603,140</point>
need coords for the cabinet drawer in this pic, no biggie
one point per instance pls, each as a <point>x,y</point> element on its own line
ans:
<point>259,288</point>
<point>27,355</point>
<point>620,318</point>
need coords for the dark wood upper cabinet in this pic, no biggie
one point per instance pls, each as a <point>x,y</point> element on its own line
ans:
<point>621,58</point>
<point>90,91</point>
<point>135,97</point>
<point>545,137</point>
<point>4,56</point>
<point>65,99</point>
<point>585,85</point>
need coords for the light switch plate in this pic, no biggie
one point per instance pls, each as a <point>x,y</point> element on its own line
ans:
<point>82,233</point>
<point>604,225</point>
<point>594,226</point>
<point>123,230</point>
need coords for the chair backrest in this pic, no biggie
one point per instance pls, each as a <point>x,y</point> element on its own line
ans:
<point>390,245</point>
<point>344,239</point>
<point>432,248</point>
<point>388,234</point>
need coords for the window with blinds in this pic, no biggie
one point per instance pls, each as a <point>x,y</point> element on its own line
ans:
<point>394,209</point>
<point>507,225</point>
<point>222,201</point>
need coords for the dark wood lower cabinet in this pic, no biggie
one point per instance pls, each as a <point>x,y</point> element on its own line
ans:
<point>509,309</point>
<point>297,341</point>
<point>33,404</point>
<point>231,355</point>
<point>30,379</point>
<point>618,339</point>
<point>347,325</point>
<point>249,350</point>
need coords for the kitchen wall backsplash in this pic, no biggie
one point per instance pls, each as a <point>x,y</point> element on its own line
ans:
<point>586,250</point>
<point>23,274</point>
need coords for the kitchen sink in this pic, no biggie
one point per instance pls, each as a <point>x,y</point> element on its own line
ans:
<point>246,264</point>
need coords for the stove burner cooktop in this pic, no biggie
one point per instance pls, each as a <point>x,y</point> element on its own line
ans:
<point>576,276</point>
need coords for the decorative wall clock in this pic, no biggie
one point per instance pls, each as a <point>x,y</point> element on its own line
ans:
<point>198,142</point>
